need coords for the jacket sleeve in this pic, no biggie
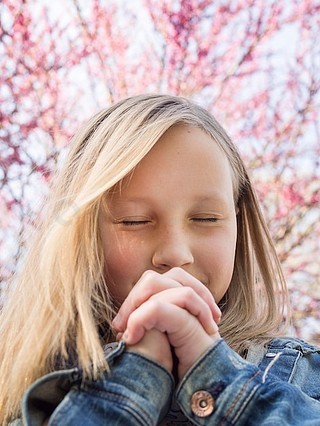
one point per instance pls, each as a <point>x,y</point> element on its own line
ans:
<point>224,389</point>
<point>136,391</point>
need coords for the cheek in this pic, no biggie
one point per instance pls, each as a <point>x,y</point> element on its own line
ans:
<point>121,261</point>
<point>124,264</point>
<point>220,263</point>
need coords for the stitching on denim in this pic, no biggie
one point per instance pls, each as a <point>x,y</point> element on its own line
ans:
<point>240,394</point>
<point>119,398</point>
<point>293,343</point>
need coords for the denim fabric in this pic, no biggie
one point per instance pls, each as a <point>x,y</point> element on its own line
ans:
<point>281,387</point>
<point>124,396</point>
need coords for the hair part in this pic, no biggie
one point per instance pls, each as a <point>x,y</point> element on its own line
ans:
<point>58,306</point>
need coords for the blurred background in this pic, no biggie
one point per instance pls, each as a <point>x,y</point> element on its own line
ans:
<point>254,64</point>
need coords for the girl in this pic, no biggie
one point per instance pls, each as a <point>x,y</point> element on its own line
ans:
<point>153,237</point>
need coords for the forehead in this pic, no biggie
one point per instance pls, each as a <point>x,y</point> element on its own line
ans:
<point>185,159</point>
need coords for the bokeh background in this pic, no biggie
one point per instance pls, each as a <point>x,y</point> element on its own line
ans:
<point>254,64</point>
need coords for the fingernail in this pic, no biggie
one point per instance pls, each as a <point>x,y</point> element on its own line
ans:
<point>213,328</point>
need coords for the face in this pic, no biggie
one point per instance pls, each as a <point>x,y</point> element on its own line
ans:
<point>175,210</point>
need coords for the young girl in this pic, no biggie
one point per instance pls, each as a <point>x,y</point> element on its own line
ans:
<point>153,237</point>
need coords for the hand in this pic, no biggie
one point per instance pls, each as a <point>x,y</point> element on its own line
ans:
<point>174,303</point>
<point>154,345</point>
<point>152,282</point>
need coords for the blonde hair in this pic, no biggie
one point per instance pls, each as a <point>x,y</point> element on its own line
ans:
<point>59,301</point>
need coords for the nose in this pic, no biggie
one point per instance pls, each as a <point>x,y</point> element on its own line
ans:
<point>172,250</point>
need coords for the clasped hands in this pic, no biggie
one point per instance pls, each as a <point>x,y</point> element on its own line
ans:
<point>171,310</point>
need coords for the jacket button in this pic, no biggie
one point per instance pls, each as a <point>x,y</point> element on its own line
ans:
<point>202,404</point>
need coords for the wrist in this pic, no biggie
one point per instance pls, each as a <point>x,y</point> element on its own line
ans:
<point>154,346</point>
<point>194,352</point>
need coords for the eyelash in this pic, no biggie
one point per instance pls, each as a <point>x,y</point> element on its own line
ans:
<point>134,222</point>
<point>144,222</point>
<point>205,219</point>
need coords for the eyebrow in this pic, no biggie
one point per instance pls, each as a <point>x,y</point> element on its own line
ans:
<point>214,197</point>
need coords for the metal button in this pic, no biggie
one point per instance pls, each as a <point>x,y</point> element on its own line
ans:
<point>202,404</point>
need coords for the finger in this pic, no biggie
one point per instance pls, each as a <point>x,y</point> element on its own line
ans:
<point>186,279</point>
<point>158,315</point>
<point>150,283</point>
<point>177,322</point>
<point>187,298</point>
<point>185,333</point>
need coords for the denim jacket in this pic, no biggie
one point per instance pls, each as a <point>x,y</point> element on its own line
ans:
<point>275,385</point>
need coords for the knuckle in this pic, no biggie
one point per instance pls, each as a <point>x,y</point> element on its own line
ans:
<point>176,269</point>
<point>148,275</point>
<point>154,306</point>
<point>188,292</point>
<point>147,280</point>
<point>174,272</point>
<point>133,319</point>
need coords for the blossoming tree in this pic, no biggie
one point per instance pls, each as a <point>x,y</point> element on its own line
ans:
<point>253,63</point>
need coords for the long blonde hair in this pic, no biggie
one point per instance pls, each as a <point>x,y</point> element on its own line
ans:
<point>58,303</point>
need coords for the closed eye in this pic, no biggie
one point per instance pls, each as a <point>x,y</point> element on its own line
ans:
<point>205,219</point>
<point>134,222</point>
